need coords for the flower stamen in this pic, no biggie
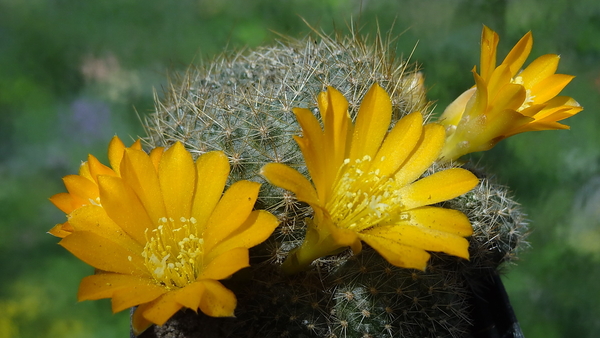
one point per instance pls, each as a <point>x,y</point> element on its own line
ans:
<point>173,252</point>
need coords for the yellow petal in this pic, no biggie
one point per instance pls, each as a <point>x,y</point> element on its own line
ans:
<point>140,324</point>
<point>61,230</point>
<point>397,254</point>
<point>103,253</point>
<point>94,219</point>
<point>455,110</point>
<point>289,179</point>
<point>156,155</point>
<point>255,230</point>
<point>489,43</point>
<point>427,150</point>
<point>311,145</point>
<point>372,123</point>
<point>161,309</point>
<point>500,77</point>
<point>441,219</point>
<point>539,69</point>
<point>135,295</point>
<point>115,153</point>
<point>423,238</point>
<point>518,54</point>
<point>226,264</point>
<point>104,285</point>
<point>82,190</point>
<point>336,136</point>
<point>230,213</point>
<point>123,206</point>
<point>510,97</point>
<point>97,168</point>
<point>477,105</point>
<point>439,187</point>
<point>139,173</point>
<point>217,300</point>
<point>550,87</point>
<point>398,144</point>
<point>84,171</point>
<point>212,170</point>
<point>63,201</point>
<point>176,174</point>
<point>190,295</point>
<point>137,145</point>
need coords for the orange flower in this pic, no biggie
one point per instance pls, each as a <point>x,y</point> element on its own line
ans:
<point>161,233</point>
<point>506,100</point>
<point>83,188</point>
<point>366,186</point>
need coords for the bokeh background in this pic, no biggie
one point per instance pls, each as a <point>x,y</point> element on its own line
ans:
<point>74,73</point>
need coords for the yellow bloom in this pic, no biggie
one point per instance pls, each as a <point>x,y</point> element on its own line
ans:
<point>162,233</point>
<point>366,188</point>
<point>83,188</point>
<point>505,100</point>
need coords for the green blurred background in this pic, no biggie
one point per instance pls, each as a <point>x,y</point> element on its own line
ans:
<point>74,73</point>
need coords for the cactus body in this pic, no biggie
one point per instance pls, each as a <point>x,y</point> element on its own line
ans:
<point>241,104</point>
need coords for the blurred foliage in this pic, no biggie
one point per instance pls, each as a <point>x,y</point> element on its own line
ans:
<point>74,73</point>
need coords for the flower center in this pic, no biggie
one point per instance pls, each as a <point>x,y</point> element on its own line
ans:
<point>174,252</point>
<point>362,198</point>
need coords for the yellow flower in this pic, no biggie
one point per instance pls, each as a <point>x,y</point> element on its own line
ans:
<point>162,233</point>
<point>506,100</point>
<point>83,188</point>
<point>365,184</point>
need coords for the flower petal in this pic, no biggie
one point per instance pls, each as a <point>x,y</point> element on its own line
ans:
<point>160,310</point>
<point>255,230</point>
<point>398,144</point>
<point>115,153</point>
<point>518,54</point>
<point>230,213</point>
<point>455,110</point>
<point>94,219</point>
<point>441,219</point>
<point>290,179</point>
<point>84,170</point>
<point>97,168</point>
<point>372,123</point>
<point>489,44</point>
<point>176,174</point>
<point>103,285</point>
<point>61,230</point>
<point>397,254</point>
<point>336,136</point>
<point>311,145</point>
<point>140,324</point>
<point>156,155</point>
<point>191,295</point>
<point>217,300</point>
<point>123,206</point>
<point>63,201</point>
<point>422,238</point>
<point>427,150</point>
<point>82,190</point>
<point>549,87</point>
<point>539,69</point>
<point>439,187</point>
<point>226,264</point>
<point>212,170</point>
<point>135,295</point>
<point>103,253</point>
<point>139,173</point>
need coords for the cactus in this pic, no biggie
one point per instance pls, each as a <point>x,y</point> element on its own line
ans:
<point>241,103</point>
